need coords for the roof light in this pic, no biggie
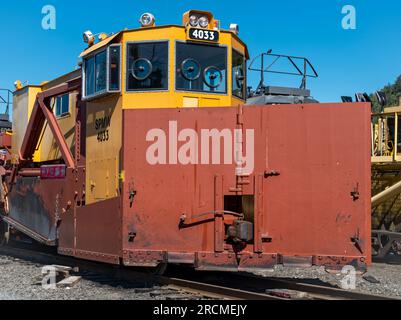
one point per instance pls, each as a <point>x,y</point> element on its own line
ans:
<point>18,84</point>
<point>234,28</point>
<point>103,36</point>
<point>203,22</point>
<point>193,21</point>
<point>147,20</point>
<point>216,25</point>
<point>88,37</point>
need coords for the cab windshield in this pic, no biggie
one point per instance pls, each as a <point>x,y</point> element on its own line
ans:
<point>201,67</point>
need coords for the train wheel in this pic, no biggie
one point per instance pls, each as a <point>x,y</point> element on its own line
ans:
<point>158,271</point>
<point>4,233</point>
<point>161,268</point>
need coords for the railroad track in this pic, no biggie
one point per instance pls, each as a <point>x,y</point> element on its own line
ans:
<point>301,290</point>
<point>212,285</point>
<point>109,272</point>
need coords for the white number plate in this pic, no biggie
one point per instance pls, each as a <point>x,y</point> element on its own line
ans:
<point>202,34</point>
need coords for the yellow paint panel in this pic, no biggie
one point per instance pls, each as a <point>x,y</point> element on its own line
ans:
<point>190,102</point>
<point>103,148</point>
<point>210,102</point>
<point>102,179</point>
<point>23,102</point>
<point>49,149</point>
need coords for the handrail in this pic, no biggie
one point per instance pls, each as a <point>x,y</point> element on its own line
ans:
<point>292,59</point>
<point>7,102</point>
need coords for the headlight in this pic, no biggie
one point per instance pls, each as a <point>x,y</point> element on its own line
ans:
<point>147,19</point>
<point>193,21</point>
<point>88,37</point>
<point>234,28</point>
<point>203,22</point>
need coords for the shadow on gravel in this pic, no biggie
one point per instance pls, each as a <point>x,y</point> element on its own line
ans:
<point>389,259</point>
<point>98,273</point>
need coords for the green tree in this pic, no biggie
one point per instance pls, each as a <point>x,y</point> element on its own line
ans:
<point>393,92</point>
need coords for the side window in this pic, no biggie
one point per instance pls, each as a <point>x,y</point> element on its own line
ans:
<point>114,69</point>
<point>102,72</point>
<point>147,66</point>
<point>90,76</point>
<point>96,74</point>
<point>62,105</point>
<point>238,75</point>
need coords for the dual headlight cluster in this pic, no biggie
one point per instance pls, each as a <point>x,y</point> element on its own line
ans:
<point>201,21</point>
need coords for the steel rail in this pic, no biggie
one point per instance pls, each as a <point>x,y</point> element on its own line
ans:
<point>262,284</point>
<point>184,285</point>
<point>319,291</point>
<point>209,284</point>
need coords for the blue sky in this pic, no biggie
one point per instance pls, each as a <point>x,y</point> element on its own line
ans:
<point>347,61</point>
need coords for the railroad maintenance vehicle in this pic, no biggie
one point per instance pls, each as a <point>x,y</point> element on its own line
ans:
<point>154,151</point>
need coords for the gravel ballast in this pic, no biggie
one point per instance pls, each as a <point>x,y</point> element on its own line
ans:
<point>20,280</point>
<point>381,279</point>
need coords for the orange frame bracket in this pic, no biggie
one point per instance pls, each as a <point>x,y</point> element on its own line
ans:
<point>42,112</point>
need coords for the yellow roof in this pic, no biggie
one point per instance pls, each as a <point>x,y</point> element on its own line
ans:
<point>98,45</point>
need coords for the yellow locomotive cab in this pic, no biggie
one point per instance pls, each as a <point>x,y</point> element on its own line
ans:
<point>171,66</point>
<point>192,65</point>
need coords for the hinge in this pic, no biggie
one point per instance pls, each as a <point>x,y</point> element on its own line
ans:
<point>272,173</point>
<point>357,242</point>
<point>355,193</point>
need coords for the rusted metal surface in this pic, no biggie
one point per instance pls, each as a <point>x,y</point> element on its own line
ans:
<point>74,199</point>
<point>80,133</point>
<point>32,205</point>
<point>253,261</point>
<point>29,172</point>
<point>308,194</point>
<point>45,208</point>
<point>223,261</point>
<point>98,231</point>
<point>148,258</point>
<point>319,154</point>
<point>5,140</point>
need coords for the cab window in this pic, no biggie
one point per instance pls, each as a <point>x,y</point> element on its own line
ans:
<point>201,68</point>
<point>62,105</point>
<point>147,66</point>
<point>114,68</point>
<point>96,74</point>
<point>102,72</point>
<point>238,75</point>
